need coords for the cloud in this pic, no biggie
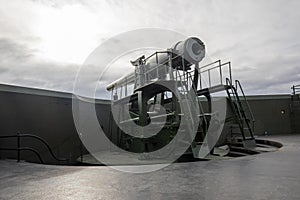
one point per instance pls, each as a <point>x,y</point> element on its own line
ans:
<point>10,51</point>
<point>47,41</point>
<point>19,66</point>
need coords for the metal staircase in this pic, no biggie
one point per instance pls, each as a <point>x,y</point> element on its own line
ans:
<point>243,116</point>
<point>242,111</point>
<point>295,108</point>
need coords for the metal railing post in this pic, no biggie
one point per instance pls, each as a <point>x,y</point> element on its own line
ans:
<point>81,148</point>
<point>230,75</point>
<point>221,76</point>
<point>293,88</point>
<point>200,78</point>
<point>209,81</point>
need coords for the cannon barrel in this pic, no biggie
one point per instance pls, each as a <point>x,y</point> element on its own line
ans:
<point>184,54</point>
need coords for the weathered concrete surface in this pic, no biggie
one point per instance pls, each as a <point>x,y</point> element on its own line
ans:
<point>47,114</point>
<point>274,175</point>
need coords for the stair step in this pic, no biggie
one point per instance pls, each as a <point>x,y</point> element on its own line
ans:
<point>236,154</point>
<point>249,143</point>
<point>129,120</point>
<point>158,123</point>
<point>222,150</point>
<point>205,114</point>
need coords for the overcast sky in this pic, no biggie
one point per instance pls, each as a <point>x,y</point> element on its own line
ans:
<point>43,42</point>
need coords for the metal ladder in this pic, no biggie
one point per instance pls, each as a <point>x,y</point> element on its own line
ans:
<point>195,147</point>
<point>243,120</point>
<point>295,108</point>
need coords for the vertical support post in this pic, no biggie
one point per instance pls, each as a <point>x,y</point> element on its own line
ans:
<point>142,109</point>
<point>171,71</point>
<point>182,63</point>
<point>196,76</point>
<point>81,151</point>
<point>126,87</point>
<point>209,81</point>
<point>230,72</point>
<point>221,78</point>
<point>121,91</point>
<point>293,88</point>
<point>200,79</point>
<point>142,115</point>
<point>18,146</point>
<point>157,72</point>
<point>142,75</point>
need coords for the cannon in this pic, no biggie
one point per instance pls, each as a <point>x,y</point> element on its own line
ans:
<point>157,80</point>
<point>180,57</point>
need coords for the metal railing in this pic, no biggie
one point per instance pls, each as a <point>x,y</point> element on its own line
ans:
<point>214,66</point>
<point>295,89</point>
<point>241,112</point>
<point>149,75</point>
<point>238,86</point>
<point>206,70</point>
<point>20,148</point>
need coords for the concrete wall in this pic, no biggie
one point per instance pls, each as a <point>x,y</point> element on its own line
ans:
<point>272,114</point>
<point>295,113</point>
<point>48,114</point>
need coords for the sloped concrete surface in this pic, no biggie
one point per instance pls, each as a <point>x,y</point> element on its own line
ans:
<point>274,175</point>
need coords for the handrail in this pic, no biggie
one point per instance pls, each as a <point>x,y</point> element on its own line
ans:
<point>155,53</point>
<point>24,149</point>
<point>219,67</point>
<point>201,70</point>
<point>236,107</point>
<point>156,68</point>
<point>161,64</point>
<point>19,135</point>
<point>46,144</point>
<point>234,90</point>
<point>218,61</point>
<point>237,83</point>
<point>295,89</point>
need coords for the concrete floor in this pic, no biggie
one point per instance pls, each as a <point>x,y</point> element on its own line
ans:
<point>274,175</point>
